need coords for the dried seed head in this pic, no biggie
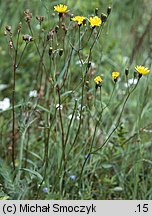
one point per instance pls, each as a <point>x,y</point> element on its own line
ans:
<point>27,38</point>
<point>28,15</point>
<point>11,44</point>
<point>40,18</point>
<point>56,28</point>
<point>50,34</point>
<point>8,28</point>
<point>19,27</point>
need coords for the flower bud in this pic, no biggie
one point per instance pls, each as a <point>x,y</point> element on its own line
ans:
<point>108,10</point>
<point>103,17</point>
<point>8,28</point>
<point>126,71</point>
<point>89,65</point>
<point>60,52</point>
<point>50,51</point>
<point>96,11</point>
<point>135,74</point>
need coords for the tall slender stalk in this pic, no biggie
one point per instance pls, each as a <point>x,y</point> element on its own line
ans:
<point>13,96</point>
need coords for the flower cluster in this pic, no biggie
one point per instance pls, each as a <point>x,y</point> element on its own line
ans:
<point>94,21</point>
<point>115,75</point>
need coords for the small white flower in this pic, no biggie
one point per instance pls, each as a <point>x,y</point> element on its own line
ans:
<point>75,116</point>
<point>5,104</point>
<point>33,93</point>
<point>131,81</point>
<point>80,62</point>
<point>3,86</point>
<point>93,65</point>
<point>59,106</point>
<point>78,116</point>
<point>70,116</point>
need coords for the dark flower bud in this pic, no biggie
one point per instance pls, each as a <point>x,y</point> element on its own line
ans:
<point>84,22</point>
<point>135,74</point>
<point>108,10</point>
<point>126,71</point>
<point>139,76</point>
<point>50,51</point>
<point>96,11</point>
<point>103,17</point>
<point>60,52</point>
<point>89,65</point>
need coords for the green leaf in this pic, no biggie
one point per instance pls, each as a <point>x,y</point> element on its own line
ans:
<point>35,173</point>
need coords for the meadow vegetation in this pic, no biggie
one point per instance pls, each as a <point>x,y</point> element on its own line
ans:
<point>75,99</point>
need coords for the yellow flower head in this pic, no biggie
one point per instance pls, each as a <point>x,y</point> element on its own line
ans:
<point>115,76</point>
<point>60,8</point>
<point>79,19</point>
<point>95,21</point>
<point>98,80</point>
<point>142,70</point>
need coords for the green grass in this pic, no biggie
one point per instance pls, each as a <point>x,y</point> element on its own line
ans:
<point>92,148</point>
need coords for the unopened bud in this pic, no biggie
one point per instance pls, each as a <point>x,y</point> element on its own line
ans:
<point>50,51</point>
<point>89,65</point>
<point>5,33</point>
<point>108,10</point>
<point>103,17</point>
<point>135,74</point>
<point>126,71</point>
<point>87,83</point>
<point>71,16</point>
<point>60,52</point>
<point>84,22</point>
<point>96,11</point>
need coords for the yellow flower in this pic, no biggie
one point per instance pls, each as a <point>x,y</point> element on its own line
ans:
<point>95,21</point>
<point>60,8</point>
<point>142,70</point>
<point>98,80</point>
<point>115,76</point>
<point>79,19</point>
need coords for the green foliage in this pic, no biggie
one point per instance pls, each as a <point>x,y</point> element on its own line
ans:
<point>71,140</point>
